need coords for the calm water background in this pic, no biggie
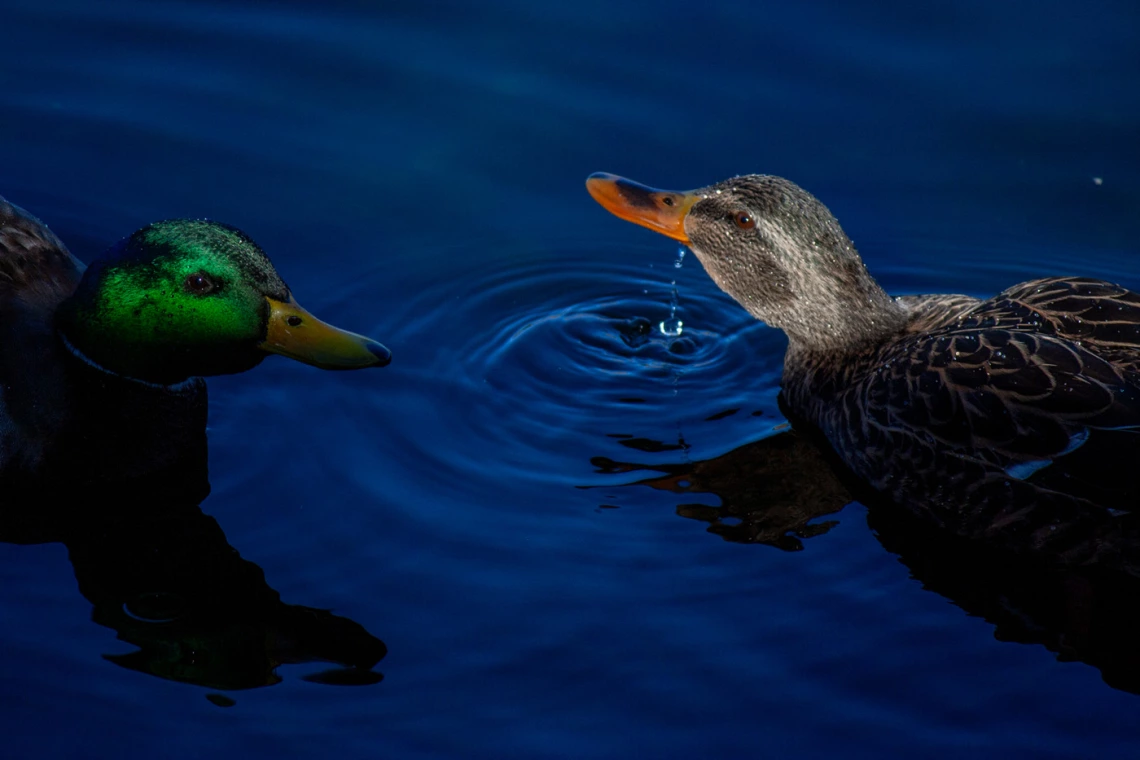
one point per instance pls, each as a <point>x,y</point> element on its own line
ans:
<point>415,172</point>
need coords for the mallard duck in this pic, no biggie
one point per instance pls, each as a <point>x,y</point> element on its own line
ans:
<point>1013,419</point>
<point>103,364</point>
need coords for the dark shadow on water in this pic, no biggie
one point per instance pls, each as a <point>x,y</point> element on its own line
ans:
<point>161,574</point>
<point>762,499</point>
<point>776,490</point>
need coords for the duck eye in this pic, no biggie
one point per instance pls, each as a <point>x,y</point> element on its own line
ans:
<point>200,284</point>
<point>743,220</point>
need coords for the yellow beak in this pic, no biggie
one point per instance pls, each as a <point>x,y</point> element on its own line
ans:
<point>296,333</point>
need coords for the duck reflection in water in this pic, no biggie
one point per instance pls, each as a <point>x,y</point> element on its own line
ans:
<point>781,490</point>
<point>161,574</point>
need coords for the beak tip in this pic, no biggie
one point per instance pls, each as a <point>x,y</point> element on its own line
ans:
<point>596,182</point>
<point>382,354</point>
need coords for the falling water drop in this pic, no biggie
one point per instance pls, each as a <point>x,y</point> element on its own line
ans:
<point>673,326</point>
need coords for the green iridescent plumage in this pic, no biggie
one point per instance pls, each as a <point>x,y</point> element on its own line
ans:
<point>84,350</point>
<point>135,313</point>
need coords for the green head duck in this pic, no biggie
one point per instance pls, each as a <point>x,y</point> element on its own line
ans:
<point>183,298</point>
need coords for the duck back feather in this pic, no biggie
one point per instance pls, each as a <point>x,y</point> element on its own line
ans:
<point>1008,419</point>
<point>37,273</point>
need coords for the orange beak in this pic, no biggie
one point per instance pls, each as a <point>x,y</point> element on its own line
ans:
<point>660,210</point>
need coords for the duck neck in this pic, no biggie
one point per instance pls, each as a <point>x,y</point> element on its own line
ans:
<point>845,322</point>
<point>146,437</point>
<point>187,385</point>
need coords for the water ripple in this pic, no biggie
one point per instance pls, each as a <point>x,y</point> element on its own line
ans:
<point>538,349</point>
<point>512,374</point>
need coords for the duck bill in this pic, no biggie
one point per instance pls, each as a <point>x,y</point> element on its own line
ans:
<point>296,333</point>
<point>662,211</point>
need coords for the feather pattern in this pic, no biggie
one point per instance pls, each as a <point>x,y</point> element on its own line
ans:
<point>997,418</point>
<point>34,264</point>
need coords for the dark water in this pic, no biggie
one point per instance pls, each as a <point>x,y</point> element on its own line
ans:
<point>416,173</point>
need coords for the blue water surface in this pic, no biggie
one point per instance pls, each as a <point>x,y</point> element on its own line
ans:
<point>415,171</point>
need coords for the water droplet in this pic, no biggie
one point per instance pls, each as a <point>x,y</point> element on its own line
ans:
<point>671,327</point>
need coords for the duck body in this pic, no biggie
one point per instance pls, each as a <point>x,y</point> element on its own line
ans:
<point>100,367</point>
<point>1013,420</point>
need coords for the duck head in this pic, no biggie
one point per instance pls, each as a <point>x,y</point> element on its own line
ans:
<point>774,248</point>
<point>183,298</point>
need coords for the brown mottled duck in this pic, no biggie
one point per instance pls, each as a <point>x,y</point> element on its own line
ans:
<point>1014,420</point>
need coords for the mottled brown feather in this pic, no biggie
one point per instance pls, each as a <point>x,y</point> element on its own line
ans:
<point>1000,419</point>
<point>34,263</point>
